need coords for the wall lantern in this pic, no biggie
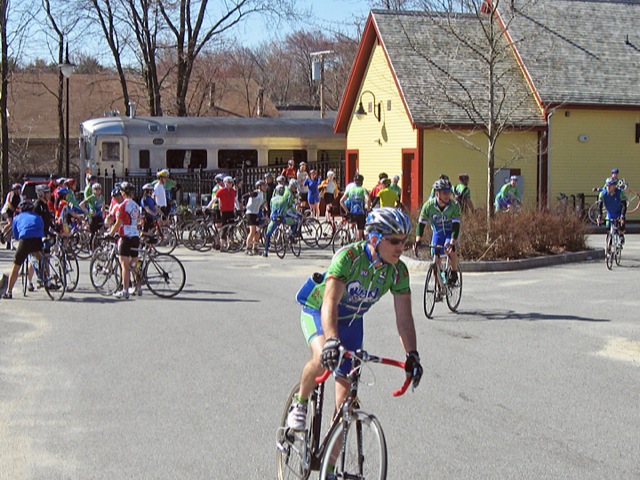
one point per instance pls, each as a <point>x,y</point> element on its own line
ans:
<point>361,113</point>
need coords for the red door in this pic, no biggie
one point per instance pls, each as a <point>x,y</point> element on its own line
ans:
<point>352,166</point>
<point>411,179</point>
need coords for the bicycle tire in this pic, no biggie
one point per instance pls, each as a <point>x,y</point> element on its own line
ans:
<point>325,234</point>
<point>279,241</point>
<point>167,242</point>
<point>454,292</point>
<point>53,277</point>
<point>295,244</point>
<point>609,252</point>
<point>365,452</point>
<point>292,455</point>
<point>165,276</point>
<point>104,273</point>
<point>71,271</point>
<point>430,292</point>
<point>617,251</point>
<point>309,231</point>
<point>24,273</point>
<point>593,213</point>
<point>340,238</point>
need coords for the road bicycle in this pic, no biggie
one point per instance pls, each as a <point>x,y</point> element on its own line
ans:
<point>166,235</point>
<point>49,270</point>
<point>613,245</point>
<point>202,234</point>
<point>436,285</point>
<point>162,273</point>
<point>354,444</point>
<point>63,249</point>
<point>283,239</point>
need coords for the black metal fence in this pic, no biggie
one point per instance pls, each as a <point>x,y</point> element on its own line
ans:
<point>194,188</point>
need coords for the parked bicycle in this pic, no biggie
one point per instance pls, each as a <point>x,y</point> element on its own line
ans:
<point>437,286</point>
<point>354,445</point>
<point>345,234</point>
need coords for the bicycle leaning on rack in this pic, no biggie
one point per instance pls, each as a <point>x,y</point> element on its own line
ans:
<point>436,285</point>
<point>613,246</point>
<point>354,444</point>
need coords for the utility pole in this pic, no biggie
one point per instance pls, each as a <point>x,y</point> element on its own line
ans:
<point>319,75</point>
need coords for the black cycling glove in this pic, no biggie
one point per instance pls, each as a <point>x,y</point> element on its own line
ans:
<point>330,358</point>
<point>412,367</point>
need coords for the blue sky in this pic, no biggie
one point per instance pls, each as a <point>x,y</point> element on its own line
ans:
<point>326,14</point>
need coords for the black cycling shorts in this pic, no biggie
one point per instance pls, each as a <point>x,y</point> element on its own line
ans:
<point>127,246</point>
<point>25,247</point>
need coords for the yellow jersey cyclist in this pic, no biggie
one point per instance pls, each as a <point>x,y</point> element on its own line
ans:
<point>614,201</point>
<point>443,214</point>
<point>333,305</point>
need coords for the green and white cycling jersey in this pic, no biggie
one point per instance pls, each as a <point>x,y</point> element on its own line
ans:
<point>356,197</point>
<point>364,284</point>
<point>441,220</point>
<point>281,204</point>
<point>214,190</point>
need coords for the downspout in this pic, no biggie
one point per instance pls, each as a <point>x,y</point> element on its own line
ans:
<point>548,186</point>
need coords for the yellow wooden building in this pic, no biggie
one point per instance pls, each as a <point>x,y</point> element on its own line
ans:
<point>568,110</point>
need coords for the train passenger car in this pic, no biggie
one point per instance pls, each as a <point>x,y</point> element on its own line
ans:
<point>142,144</point>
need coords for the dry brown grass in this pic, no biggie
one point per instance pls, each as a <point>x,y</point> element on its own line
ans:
<point>525,234</point>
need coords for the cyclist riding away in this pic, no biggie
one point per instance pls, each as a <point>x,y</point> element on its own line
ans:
<point>443,214</point>
<point>334,305</point>
<point>355,202</point>
<point>614,201</point>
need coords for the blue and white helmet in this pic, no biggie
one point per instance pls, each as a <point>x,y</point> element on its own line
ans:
<point>388,221</point>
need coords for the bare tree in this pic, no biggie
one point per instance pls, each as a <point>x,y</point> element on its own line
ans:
<point>471,64</point>
<point>194,24</point>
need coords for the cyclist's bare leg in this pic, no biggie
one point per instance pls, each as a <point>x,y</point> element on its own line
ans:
<point>125,263</point>
<point>312,369</point>
<point>453,260</point>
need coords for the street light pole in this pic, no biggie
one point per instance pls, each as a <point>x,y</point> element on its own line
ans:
<point>321,55</point>
<point>66,69</point>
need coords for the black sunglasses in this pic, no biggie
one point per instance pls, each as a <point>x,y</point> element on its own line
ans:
<point>396,241</point>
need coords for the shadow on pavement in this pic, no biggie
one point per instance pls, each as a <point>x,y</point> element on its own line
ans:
<point>491,315</point>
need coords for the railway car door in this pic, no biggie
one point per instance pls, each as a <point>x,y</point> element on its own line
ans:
<point>112,154</point>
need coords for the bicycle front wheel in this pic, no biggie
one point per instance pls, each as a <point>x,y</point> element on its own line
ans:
<point>309,230</point>
<point>295,243</point>
<point>454,292</point>
<point>165,276</point>
<point>293,454</point>
<point>71,271</point>
<point>430,291</point>
<point>104,272</point>
<point>609,252</point>
<point>54,277</point>
<point>325,234</point>
<point>364,455</point>
<point>617,251</point>
<point>167,241</point>
<point>340,239</point>
<point>279,242</point>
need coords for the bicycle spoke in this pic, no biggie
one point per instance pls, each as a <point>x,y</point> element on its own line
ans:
<point>165,276</point>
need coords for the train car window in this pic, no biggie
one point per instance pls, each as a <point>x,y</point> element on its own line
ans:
<point>281,157</point>
<point>110,152</point>
<point>144,160</point>
<point>229,159</point>
<point>187,159</point>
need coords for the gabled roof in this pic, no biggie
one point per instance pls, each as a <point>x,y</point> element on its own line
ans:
<point>581,51</point>
<point>437,73</point>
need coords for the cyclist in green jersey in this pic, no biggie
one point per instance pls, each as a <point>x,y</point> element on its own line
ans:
<point>443,214</point>
<point>355,201</point>
<point>334,305</point>
<point>462,193</point>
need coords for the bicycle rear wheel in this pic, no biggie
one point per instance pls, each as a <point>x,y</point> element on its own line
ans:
<point>609,252</point>
<point>309,230</point>
<point>293,455</point>
<point>454,292</point>
<point>593,213</point>
<point>364,455</point>
<point>430,291</point>
<point>167,241</point>
<point>53,276</point>
<point>165,276</point>
<point>295,244</point>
